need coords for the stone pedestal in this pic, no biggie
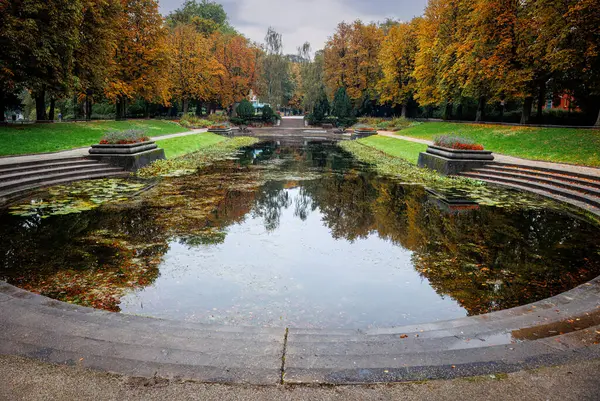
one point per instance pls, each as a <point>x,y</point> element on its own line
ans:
<point>130,157</point>
<point>362,133</point>
<point>221,131</point>
<point>453,161</point>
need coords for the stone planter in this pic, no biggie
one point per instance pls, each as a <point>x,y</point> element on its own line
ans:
<point>363,133</point>
<point>131,157</point>
<point>450,161</point>
<point>221,131</point>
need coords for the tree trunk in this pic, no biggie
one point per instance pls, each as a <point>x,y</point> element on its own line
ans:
<point>88,108</point>
<point>199,108</point>
<point>121,108</point>
<point>404,108</point>
<point>146,110</point>
<point>40,106</point>
<point>598,120</point>
<point>448,111</point>
<point>541,103</point>
<point>459,111</point>
<point>480,109</point>
<point>186,105</point>
<point>527,110</point>
<point>74,107</point>
<point>2,108</point>
<point>52,107</point>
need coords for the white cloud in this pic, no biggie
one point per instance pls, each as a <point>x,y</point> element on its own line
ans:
<point>299,21</point>
<point>306,20</point>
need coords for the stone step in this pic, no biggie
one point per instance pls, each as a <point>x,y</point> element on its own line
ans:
<point>578,174</point>
<point>51,170</point>
<point>158,347</point>
<point>552,189</point>
<point>365,366</point>
<point>28,309</point>
<point>52,176</point>
<point>18,192</point>
<point>16,168</point>
<point>549,179</point>
<point>32,163</point>
<point>561,176</point>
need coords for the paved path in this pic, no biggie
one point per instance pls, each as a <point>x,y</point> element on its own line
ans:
<point>25,379</point>
<point>568,168</point>
<point>79,152</point>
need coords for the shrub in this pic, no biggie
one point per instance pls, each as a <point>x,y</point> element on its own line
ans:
<point>193,121</point>
<point>365,127</point>
<point>456,142</point>
<point>124,137</point>
<point>218,118</point>
<point>224,125</point>
<point>245,111</point>
<point>268,115</point>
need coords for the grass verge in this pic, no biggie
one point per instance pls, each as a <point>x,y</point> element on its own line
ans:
<point>567,145</point>
<point>42,138</point>
<point>175,147</point>
<point>374,152</point>
<point>395,147</point>
<point>190,162</point>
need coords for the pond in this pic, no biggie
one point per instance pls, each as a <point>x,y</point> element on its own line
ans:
<point>295,235</point>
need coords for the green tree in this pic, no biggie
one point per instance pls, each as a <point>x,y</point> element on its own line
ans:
<point>342,107</point>
<point>312,81</point>
<point>277,85</point>
<point>40,39</point>
<point>321,108</point>
<point>207,16</point>
<point>245,111</point>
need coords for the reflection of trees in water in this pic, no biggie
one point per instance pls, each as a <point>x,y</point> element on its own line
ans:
<point>89,258</point>
<point>486,259</point>
<point>270,202</point>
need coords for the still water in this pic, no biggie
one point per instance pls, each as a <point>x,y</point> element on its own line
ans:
<point>301,236</point>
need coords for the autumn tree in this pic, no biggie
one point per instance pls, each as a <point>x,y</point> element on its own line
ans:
<point>351,60</point>
<point>193,68</point>
<point>239,61</point>
<point>397,60</point>
<point>141,59</point>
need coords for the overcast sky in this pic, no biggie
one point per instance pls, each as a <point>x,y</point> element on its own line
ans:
<point>306,20</point>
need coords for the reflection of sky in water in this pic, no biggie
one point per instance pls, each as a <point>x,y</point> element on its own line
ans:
<point>296,275</point>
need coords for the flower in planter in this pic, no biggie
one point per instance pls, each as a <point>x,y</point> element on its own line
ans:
<point>456,142</point>
<point>124,137</point>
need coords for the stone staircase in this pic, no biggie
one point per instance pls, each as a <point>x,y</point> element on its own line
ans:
<point>579,189</point>
<point>18,179</point>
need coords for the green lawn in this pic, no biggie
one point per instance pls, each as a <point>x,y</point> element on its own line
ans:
<point>175,147</point>
<point>395,147</point>
<point>575,146</point>
<point>40,138</point>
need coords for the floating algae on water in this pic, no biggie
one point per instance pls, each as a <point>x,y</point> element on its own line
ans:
<point>76,197</point>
